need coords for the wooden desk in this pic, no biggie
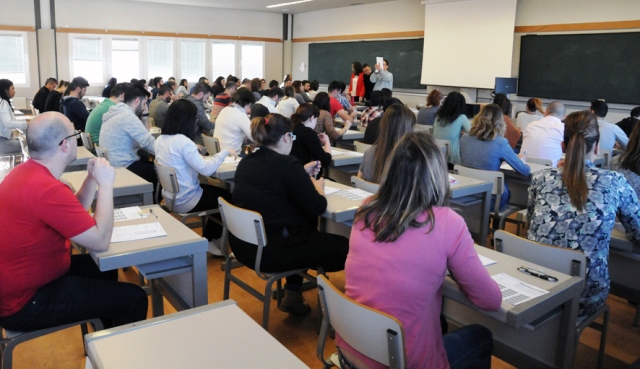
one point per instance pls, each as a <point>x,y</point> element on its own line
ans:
<point>344,164</point>
<point>537,333</point>
<point>220,335</point>
<point>472,198</point>
<point>81,160</point>
<point>624,267</point>
<point>469,197</point>
<point>160,259</point>
<point>128,188</point>
<point>346,141</point>
<point>519,184</point>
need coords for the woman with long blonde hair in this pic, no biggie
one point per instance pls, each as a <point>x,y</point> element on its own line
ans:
<point>402,242</point>
<point>486,148</point>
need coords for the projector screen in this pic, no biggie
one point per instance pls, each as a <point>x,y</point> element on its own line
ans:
<point>468,43</point>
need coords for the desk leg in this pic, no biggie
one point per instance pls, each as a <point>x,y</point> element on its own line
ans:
<point>157,303</point>
<point>147,198</point>
<point>484,218</point>
<point>199,275</point>
<point>566,355</point>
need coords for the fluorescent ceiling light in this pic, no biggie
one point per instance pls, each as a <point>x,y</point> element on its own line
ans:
<point>291,3</point>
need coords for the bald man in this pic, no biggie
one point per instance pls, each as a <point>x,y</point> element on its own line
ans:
<point>543,138</point>
<point>42,285</point>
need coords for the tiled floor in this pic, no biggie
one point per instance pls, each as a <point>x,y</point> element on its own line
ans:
<point>64,349</point>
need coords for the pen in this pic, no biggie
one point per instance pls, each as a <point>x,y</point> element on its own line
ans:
<point>151,211</point>
<point>537,273</point>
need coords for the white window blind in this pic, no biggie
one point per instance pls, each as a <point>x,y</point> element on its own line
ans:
<point>125,59</point>
<point>87,59</point>
<point>160,58</point>
<point>252,61</point>
<point>12,58</point>
<point>192,60</point>
<point>223,59</point>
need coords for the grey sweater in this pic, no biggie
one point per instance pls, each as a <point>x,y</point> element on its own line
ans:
<point>122,134</point>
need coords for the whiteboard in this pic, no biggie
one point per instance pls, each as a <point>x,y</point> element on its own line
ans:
<point>468,43</point>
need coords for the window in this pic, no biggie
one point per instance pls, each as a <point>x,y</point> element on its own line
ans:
<point>160,58</point>
<point>13,60</point>
<point>223,59</point>
<point>192,60</point>
<point>87,59</point>
<point>252,65</point>
<point>125,59</point>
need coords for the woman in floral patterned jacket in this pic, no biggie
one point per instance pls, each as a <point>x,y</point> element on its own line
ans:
<point>576,207</point>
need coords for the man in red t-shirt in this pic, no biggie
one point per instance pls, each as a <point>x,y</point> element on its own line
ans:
<point>42,286</point>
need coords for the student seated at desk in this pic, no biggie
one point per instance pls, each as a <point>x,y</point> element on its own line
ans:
<point>288,104</point>
<point>576,206</point>
<point>53,99</point>
<point>43,285</point>
<point>485,147</point>
<point>175,148</point>
<point>397,121</point>
<point>309,145</point>
<point>123,133</point>
<point>325,121</point>
<point>628,163</point>
<point>402,242</point>
<point>373,128</point>
<point>450,122</point>
<point>375,110</point>
<point>275,184</point>
<point>427,115</point>
<point>233,125</point>
<point>8,122</point>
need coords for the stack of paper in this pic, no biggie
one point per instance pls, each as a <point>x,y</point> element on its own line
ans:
<point>515,291</point>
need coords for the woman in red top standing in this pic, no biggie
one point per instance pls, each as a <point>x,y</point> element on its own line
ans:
<point>356,83</point>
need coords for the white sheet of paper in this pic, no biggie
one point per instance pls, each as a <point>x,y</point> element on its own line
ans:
<point>329,190</point>
<point>486,261</point>
<point>137,232</point>
<point>515,291</point>
<point>505,166</point>
<point>354,194</point>
<point>231,160</point>
<point>345,152</point>
<point>301,67</point>
<point>122,214</point>
<point>380,62</point>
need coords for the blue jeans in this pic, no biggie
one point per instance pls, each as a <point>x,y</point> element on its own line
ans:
<point>469,347</point>
<point>83,293</point>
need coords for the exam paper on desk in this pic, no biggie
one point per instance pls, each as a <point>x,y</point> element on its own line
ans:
<point>515,291</point>
<point>137,232</point>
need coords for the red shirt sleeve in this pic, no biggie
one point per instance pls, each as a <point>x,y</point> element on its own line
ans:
<point>335,106</point>
<point>60,209</point>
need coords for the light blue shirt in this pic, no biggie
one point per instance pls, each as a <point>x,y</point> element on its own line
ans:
<point>610,134</point>
<point>382,80</point>
<point>451,132</point>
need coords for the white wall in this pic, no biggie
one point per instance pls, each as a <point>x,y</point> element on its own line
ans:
<point>17,13</point>
<point>408,15</point>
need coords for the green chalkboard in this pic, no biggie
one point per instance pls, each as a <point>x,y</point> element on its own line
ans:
<point>332,61</point>
<point>581,67</point>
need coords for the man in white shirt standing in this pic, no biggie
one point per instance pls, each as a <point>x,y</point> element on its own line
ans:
<point>543,138</point>
<point>610,134</point>
<point>382,77</point>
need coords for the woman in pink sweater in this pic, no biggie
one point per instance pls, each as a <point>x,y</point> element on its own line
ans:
<point>402,243</point>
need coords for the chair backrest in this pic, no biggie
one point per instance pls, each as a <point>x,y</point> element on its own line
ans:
<point>373,333</point>
<point>423,127</point>
<point>245,225</point>
<point>211,144</point>
<point>541,161</point>
<point>22,138</point>
<point>101,152</point>
<point>361,146</point>
<point>364,185</point>
<point>168,181</point>
<point>445,148</point>
<point>607,158</point>
<point>34,111</point>
<point>87,142</point>
<point>492,176</point>
<point>563,260</point>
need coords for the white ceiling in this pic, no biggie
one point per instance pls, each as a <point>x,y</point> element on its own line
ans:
<point>261,5</point>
